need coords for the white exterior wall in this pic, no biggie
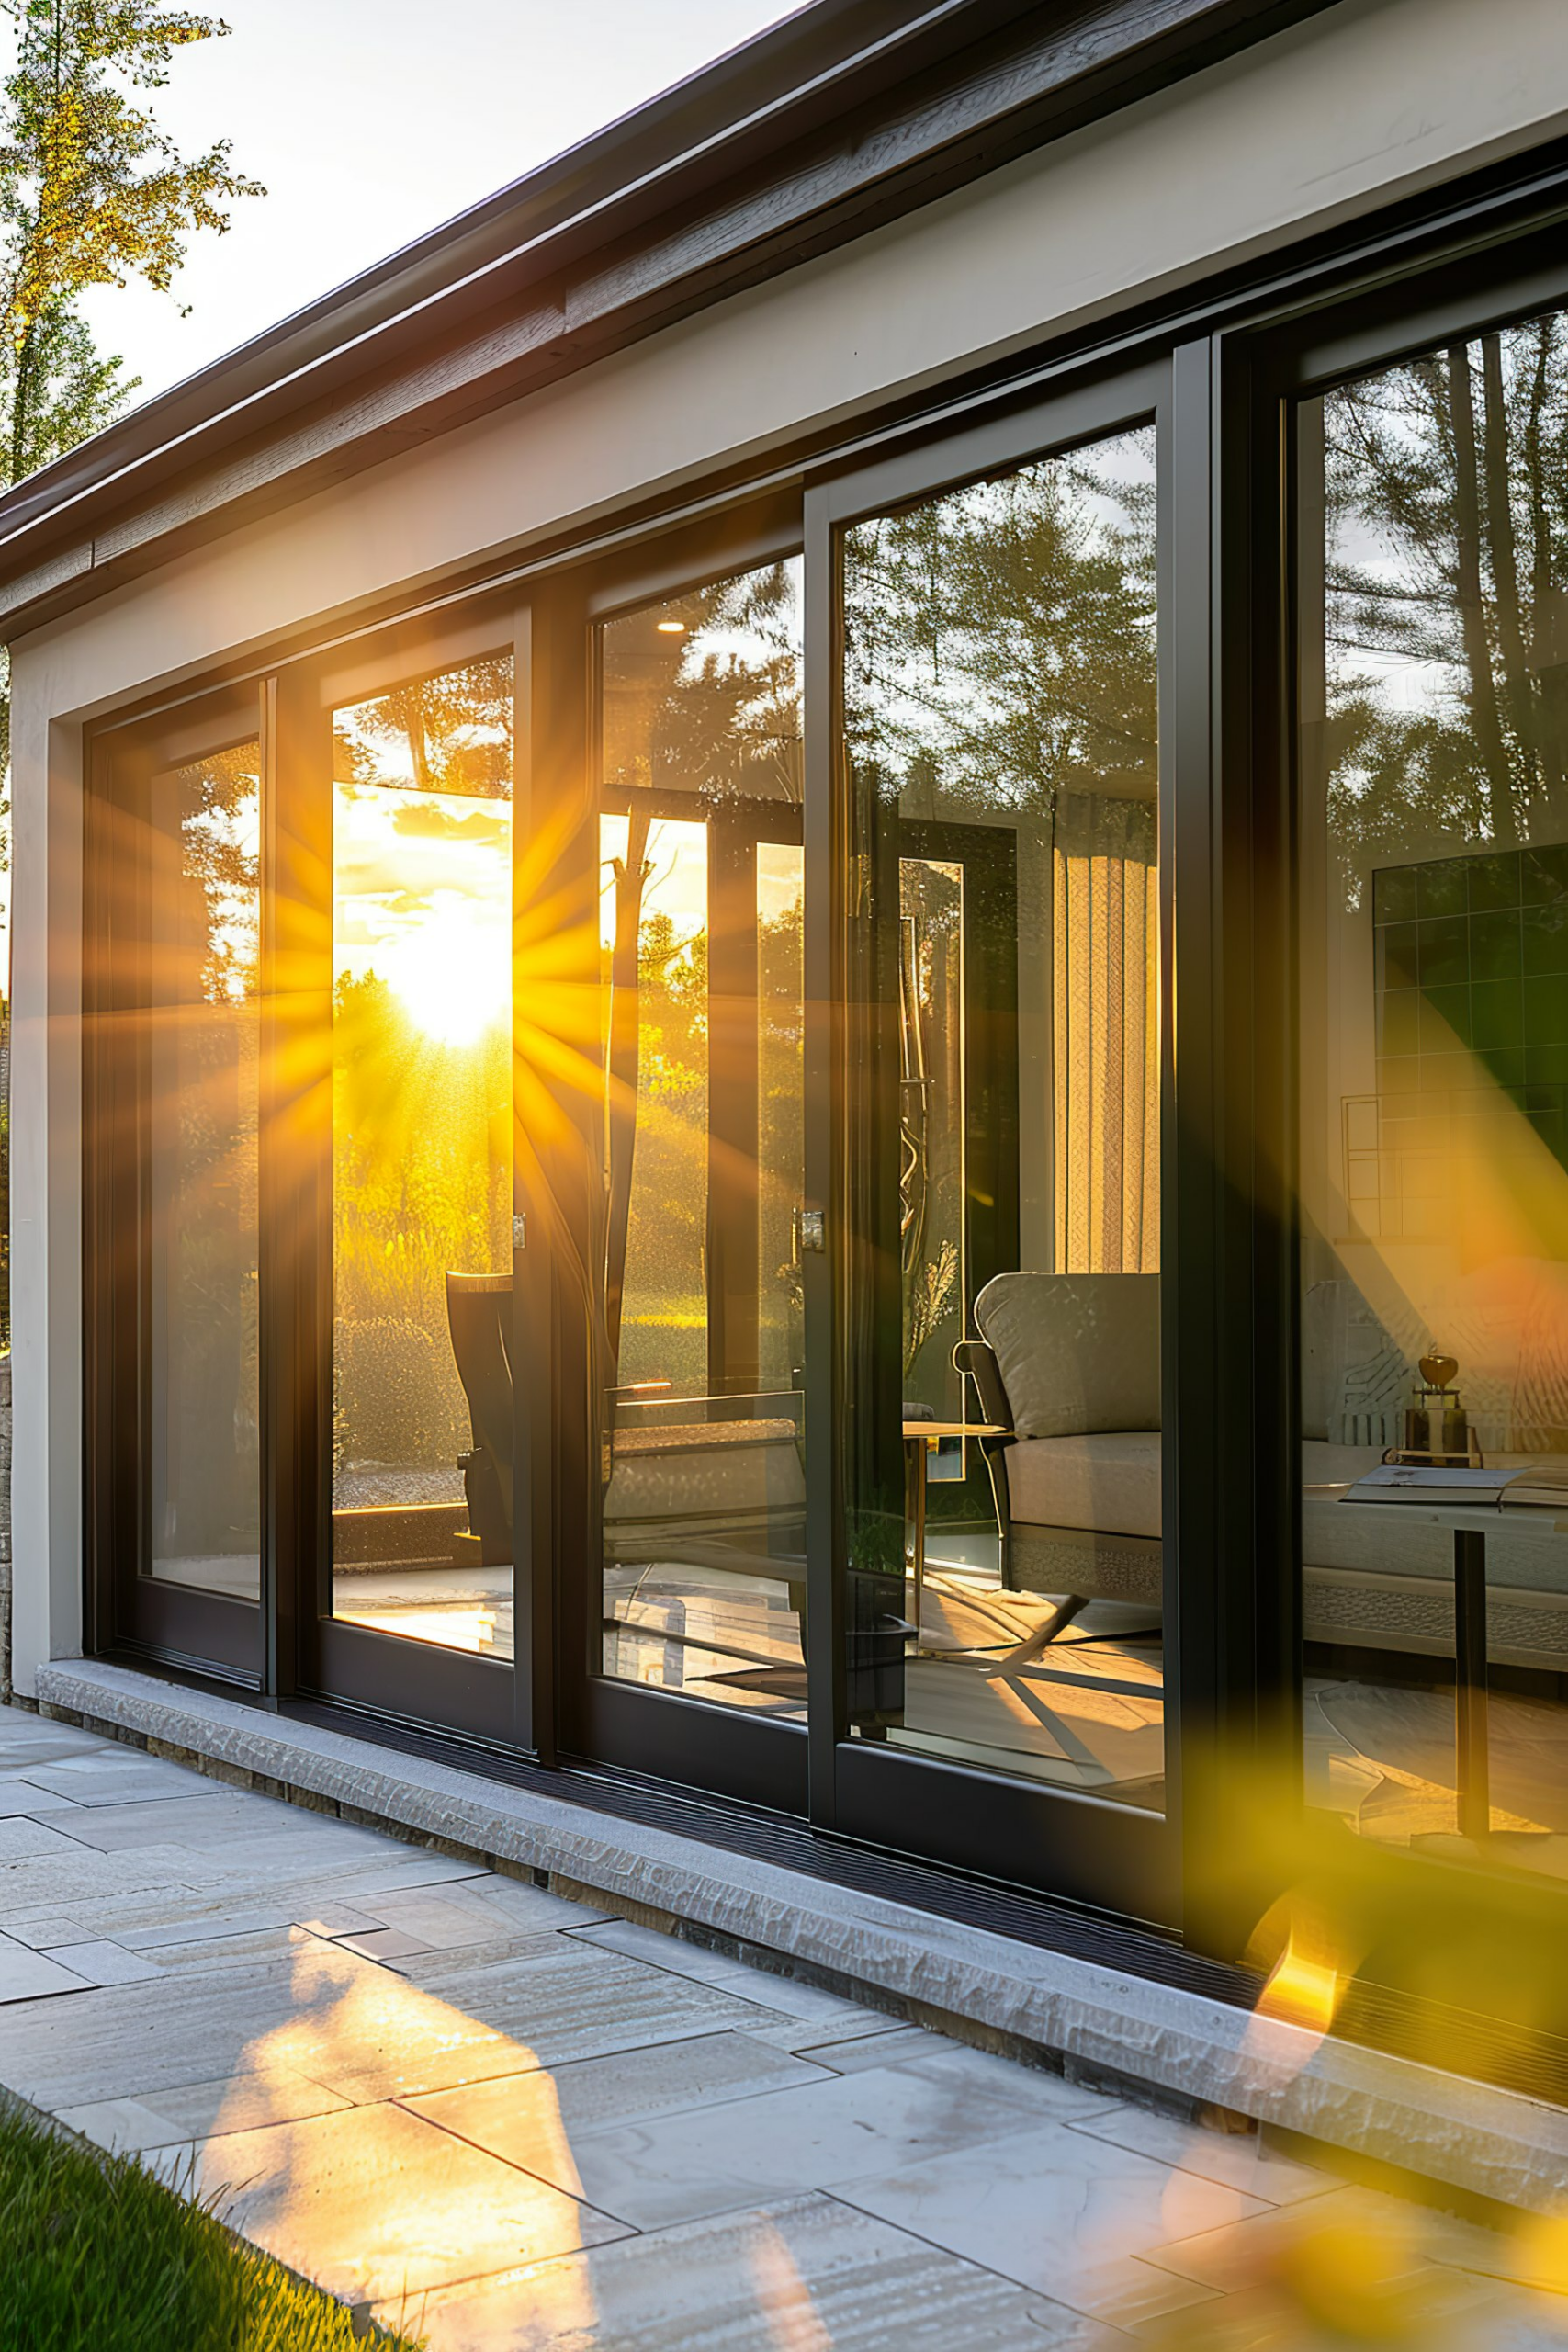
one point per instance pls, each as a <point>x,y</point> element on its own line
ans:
<point>1374,100</point>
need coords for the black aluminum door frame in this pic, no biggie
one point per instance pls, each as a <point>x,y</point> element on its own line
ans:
<point>210,1634</point>
<point>697,1743</point>
<point>1066,1843</point>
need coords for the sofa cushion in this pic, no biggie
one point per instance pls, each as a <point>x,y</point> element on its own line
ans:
<point>1079,1352</point>
<point>1379,1540</point>
<point>1109,1481</point>
<point>1110,1484</point>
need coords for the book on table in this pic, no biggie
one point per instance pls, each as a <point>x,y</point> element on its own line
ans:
<point>1542,1485</point>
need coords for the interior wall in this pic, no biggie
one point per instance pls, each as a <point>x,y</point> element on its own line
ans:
<point>1374,100</point>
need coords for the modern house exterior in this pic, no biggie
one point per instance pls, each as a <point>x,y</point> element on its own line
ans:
<point>786,924</point>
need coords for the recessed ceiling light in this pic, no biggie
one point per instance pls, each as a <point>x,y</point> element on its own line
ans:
<point>671,628</point>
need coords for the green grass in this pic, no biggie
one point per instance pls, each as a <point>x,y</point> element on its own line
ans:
<point>97,2256</point>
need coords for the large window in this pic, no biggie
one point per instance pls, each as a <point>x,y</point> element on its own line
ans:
<point>1435,1094</point>
<point>526,1174</point>
<point>768,1232</point>
<point>1005,1579</point>
<point>203,898</point>
<point>421,1405</point>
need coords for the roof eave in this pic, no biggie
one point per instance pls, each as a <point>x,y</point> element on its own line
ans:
<point>782,150</point>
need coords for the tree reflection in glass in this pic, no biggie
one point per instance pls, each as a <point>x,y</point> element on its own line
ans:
<point>702,1034</point>
<point>1434,1158</point>
<point>999,713</point>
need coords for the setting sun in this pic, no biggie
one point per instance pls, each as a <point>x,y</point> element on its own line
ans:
<point>423,899</point>
<point>452,972</point>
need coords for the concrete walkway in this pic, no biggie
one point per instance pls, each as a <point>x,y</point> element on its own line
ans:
<point>507,2121</point>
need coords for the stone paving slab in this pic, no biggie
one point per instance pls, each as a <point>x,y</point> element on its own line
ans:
<point>540,2120</point>
<point>851,2056</point>
<point>516,2123</point>
<point>1470,2135</point>
<point>1235,2159</point>
<point>27,1975</point>
<point>22,1837</point>
<point>25,1796</point>
<point>1061,2211</point>
<point>184,2113</point>
<point>122,1776</point>
<point>102,1961</point>
<point>375,2203</point>
<point>801,2275</point>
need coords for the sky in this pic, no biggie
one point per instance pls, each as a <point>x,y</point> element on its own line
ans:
<point>369,121</point>
<point>421,878</point>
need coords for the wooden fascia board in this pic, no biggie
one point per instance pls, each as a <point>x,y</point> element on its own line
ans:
<point>359,407</point>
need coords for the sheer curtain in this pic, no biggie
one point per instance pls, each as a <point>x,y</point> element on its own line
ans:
<point>1105,995</point>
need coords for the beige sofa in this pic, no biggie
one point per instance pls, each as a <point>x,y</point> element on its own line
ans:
<point>1069,1365</point>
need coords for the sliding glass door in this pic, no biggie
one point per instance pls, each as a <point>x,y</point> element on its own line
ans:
<point>686,1652</point>
<point>174,1053</point>
<point>998,1582</point>
<point>677,1222</point>
<point>303,1220</point>
<point>409,1118</point>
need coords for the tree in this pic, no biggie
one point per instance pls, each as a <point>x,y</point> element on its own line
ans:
<point>1000,643</point>
<point>709,702</point>
<point>1445,587</point>
<point>92,192</point>
<point>453,730</point>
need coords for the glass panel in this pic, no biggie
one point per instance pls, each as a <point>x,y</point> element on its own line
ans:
<point>1435,1096</point>
<point>781,1110</point>
<point>1004,1581</point>
<point>703,1495</point>
<point>204,1039</point>
<point>422,1161</point>
<point>700,694</point>
<point>659,1123</point>
<point>932,1227</point>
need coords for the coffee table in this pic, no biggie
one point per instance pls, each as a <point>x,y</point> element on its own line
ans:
<point>1470,1528</point>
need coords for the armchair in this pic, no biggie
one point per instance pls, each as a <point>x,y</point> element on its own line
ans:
<point>1068,1365</point>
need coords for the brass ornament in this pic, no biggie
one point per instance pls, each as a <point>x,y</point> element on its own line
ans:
<point>1438,1370</point>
